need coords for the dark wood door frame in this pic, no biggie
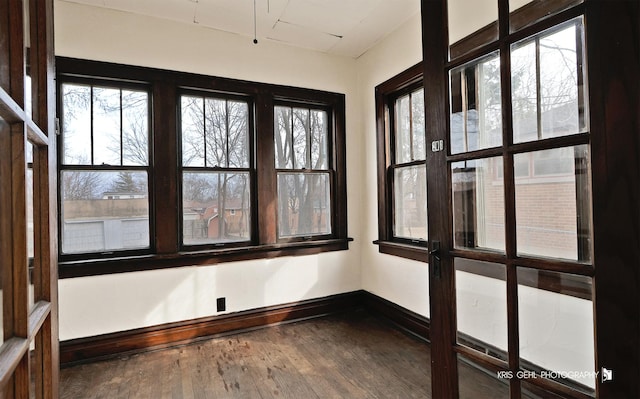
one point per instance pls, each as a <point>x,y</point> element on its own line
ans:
<point>441,284</point>
<point>613,56</point>
<point>29,360</point>
<point>613,63</point>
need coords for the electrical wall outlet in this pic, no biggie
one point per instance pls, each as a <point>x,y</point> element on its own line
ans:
<point>221,304</point>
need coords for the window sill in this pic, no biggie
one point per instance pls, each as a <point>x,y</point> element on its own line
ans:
<point>406,251</point>
<point>94,267</point>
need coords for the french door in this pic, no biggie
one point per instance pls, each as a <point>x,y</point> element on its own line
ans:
<point>28,256</point>
<point>513,126</point>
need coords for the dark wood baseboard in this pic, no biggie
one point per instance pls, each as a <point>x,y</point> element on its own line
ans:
<point>403,318</point>
<point>125,343</point>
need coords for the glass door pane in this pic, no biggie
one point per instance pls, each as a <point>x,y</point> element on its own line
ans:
<point>478,17</point>
<point>530,391</point>
<point>477,382</point>
<point>553,217</point>
<point>28,97</point>
<point>478,204</point>
<point>481,306</point>
<point>556,327</point>
<point>523,13</point>
<point>476,109</point>
<point>31,238</point>
<point>548,94</point>
<point>515,4</point>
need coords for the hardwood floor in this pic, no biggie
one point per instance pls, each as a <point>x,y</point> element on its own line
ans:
<point>351,355</point>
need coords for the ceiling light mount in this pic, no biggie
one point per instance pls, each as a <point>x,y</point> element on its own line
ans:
<point>255,24</point>
<point>195,11</point>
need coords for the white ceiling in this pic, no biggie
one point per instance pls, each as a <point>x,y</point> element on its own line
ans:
<point>341,27</point>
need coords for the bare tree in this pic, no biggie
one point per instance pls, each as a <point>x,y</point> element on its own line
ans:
<point>123,124</point>
<point>548,93</point>
<point>198,187</point>
<point>300,140</point>
<point>81,185</point>
<point>76,122</point>
<point>133,107</point>
<point>215,135</point>
<point>283,137</point>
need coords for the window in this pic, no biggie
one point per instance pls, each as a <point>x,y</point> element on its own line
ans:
<point>216,178</point>
<point>409,168</point>
<point>402,192</point>
<point>164,169</point>
<point>304,179</point>
<point>104,168</point>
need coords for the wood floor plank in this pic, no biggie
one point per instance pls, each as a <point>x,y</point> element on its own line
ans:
<point>108,382</point>
<point>408,372</point>
<point>362,360</point>
<point>232,360</point>
<point>317,369</point>
<point>277,367</point>
<point>359,369</point>
<point>123,390</point>
<point>172,383</point>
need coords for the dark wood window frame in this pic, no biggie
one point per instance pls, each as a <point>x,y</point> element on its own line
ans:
<point>385,95</point>
<point>329,169</point>
<point>102,168</point>
<point>165,172</point>
<point>249,169</point>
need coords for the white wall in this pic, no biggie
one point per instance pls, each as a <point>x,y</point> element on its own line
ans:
<point>117,302</point>
<point>98,305</point>
<point>401,281</point>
